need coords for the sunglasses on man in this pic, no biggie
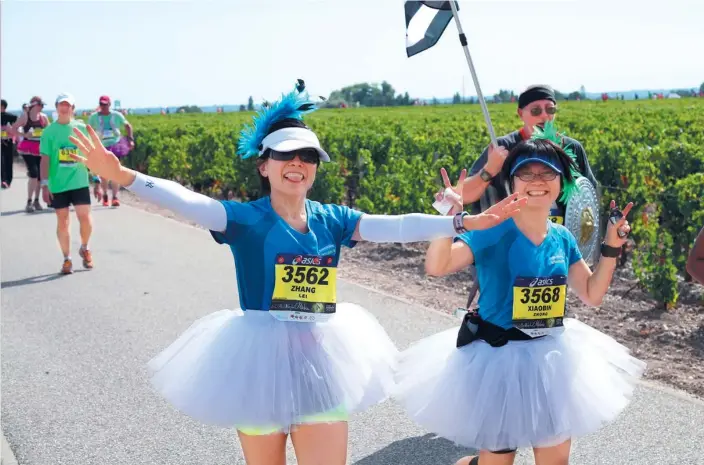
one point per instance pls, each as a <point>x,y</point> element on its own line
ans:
<point>538,110</point>
<point>305,155</point>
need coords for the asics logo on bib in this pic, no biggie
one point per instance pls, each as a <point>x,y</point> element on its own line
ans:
<point>541,282</point>
<point>300,260</point>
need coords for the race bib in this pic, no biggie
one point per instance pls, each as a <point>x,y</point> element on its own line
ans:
<point>4,134</point>
<point>65,156</point>
<point>556,216</point>
<point>304,288</point>
<point>539,305</point>
<point>108,134</point>
<point>36,133</point>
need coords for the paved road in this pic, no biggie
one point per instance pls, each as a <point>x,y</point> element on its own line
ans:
<point>74,350</point>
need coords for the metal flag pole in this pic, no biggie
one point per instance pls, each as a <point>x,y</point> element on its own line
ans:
<point>463,41</point>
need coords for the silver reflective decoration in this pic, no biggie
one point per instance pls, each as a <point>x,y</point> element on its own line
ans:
<point>582,218</point>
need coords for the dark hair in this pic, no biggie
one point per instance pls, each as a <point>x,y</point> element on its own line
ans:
<point>540,147</point>
<point>3,102</point>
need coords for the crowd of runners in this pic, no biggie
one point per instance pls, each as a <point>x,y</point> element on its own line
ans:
<point>55,180</point>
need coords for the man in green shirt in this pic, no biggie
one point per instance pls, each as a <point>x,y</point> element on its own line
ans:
<point>65,182</point>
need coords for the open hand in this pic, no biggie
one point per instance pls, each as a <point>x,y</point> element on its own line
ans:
<point>495,214</point>
<point>612,238</point>
<point>96,157</point>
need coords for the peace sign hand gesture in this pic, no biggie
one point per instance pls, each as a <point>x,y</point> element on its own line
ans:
<point>617,232</point>
<point>96,157</point>
<point>449,201</point>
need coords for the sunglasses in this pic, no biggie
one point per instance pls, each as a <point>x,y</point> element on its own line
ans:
<point>529,176</point>
<point>306,155</point>
<point>537,111</point>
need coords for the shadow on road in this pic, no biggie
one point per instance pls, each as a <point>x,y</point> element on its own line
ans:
<point>420,450</point>
<point>17,212</point>
<point>35,279</point>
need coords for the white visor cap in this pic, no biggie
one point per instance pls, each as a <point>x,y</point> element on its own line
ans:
<point>290,139</point>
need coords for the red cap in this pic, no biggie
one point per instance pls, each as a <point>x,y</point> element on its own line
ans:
<point>104,99</point>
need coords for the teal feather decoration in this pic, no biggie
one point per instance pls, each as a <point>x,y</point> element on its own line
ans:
<point>293,105</point>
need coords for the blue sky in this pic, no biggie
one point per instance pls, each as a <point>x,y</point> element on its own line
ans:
<point>159,53</point>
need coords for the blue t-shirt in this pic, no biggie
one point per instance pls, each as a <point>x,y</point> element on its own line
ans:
<point>256,234</point>
<point>503,253</point>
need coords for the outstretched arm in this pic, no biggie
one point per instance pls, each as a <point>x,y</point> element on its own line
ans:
<point>419,227</point>
<point>195,207</point>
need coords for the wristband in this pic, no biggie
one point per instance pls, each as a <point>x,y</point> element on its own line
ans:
<point>44,182</point>
<point>610,252</point>
<point>458,222</point>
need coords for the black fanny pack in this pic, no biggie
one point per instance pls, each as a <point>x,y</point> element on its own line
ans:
<point>473,328</point>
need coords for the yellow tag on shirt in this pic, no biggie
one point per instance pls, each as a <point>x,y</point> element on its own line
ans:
<point>65,156</point>
<point>539,304</point>
<point>304,288</point>
<point>557,216</point>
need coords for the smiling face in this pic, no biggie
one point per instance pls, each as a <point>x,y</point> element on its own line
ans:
<point>540,183</point>
<point>289,178</point>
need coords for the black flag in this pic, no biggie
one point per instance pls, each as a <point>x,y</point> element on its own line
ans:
<point>425,23</point>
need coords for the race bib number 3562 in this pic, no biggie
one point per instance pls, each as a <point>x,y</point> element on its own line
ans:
<point>304,288</point>
<point>539,304</point>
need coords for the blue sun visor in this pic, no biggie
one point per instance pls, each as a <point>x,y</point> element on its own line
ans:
<point>546,160</point>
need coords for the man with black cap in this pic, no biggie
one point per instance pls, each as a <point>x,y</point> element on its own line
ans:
<point>536,105</point>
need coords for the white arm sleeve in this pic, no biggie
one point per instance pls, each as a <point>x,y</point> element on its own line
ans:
<point>414,227</point>
<point>195,207</point>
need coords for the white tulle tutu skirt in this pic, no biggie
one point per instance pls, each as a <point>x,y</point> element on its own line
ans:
<point>235,368</point>
<point>534,393</point>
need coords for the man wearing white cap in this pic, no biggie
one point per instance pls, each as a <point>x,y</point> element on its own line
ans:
<point>66,182</point>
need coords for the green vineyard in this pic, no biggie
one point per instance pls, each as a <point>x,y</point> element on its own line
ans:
<point>387,160</point>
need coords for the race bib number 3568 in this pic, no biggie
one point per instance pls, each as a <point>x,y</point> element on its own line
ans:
<point>539,304</point>
<point>304,287</point>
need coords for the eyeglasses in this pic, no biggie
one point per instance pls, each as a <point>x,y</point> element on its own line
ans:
<point>306,155</point>
<point>529,176</point>
<point>538,110</point>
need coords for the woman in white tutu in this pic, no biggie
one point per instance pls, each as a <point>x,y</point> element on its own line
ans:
<point>292,359</point>
<point>519,374</point>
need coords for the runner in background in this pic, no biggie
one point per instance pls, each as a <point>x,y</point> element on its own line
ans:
<point>65,182</point>
<point>107,123</point>
<point>32,124</point>
<point>8,145</point>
